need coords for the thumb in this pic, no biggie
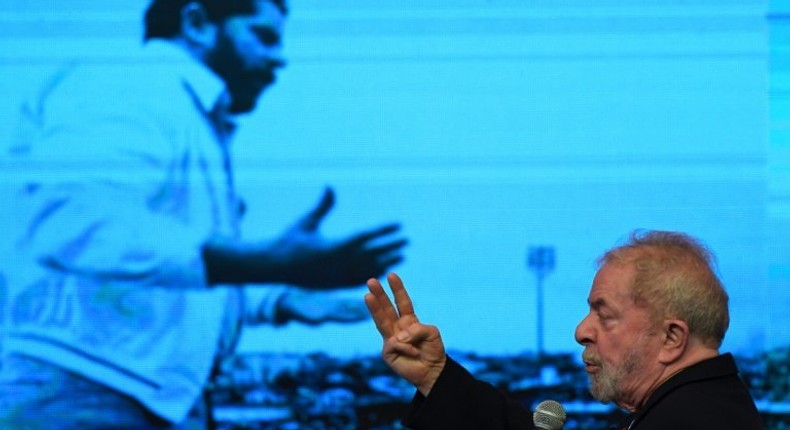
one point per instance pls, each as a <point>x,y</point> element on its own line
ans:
<point>313,219</point>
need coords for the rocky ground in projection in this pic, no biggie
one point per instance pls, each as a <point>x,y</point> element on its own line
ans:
<point>281,391</point>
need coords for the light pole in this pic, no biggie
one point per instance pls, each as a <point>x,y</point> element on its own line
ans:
<point>541,260</point>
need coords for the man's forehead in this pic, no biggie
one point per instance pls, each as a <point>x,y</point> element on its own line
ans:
<point>599,297</point>
<point>612,282</point>
<point>269,8</point>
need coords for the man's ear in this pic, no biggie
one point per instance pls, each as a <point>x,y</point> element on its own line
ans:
<point>675,336</point>
<point>196,28</point>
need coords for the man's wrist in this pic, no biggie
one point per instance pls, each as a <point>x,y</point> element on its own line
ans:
<point>434,375</point>
<point>224,262</point>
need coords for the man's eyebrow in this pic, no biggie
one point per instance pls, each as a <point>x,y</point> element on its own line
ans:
<point>597,303</point>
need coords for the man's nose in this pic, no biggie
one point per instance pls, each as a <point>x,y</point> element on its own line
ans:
<point>583,333</point>
<point>274,57</point>
<point>277,62</point>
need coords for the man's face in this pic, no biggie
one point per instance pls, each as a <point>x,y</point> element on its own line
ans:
<point>621,343</point>
<point>247,54</point>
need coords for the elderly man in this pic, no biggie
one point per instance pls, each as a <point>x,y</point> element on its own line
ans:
<point>658,314</point>
<point>129,278</point>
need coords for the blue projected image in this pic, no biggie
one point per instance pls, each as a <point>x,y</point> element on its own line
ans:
<point>256,168</point>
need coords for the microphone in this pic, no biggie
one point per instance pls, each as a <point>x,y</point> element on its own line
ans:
<point>549,415</point>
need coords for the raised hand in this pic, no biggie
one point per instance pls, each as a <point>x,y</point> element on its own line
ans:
<point>413,350</point>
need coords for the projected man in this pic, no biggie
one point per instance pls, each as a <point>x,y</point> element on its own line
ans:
<point>127,273</point>
<point>658,314</point>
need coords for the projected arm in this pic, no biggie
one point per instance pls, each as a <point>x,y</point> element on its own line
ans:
<point>100,230</point>
<point>302,256</point>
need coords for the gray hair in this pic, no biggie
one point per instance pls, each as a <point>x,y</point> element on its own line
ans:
<point>675,278</point>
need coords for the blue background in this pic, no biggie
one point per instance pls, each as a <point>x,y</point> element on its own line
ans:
<point>487,127</point>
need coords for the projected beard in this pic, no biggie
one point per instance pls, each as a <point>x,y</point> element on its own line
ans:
<point>246,77</point>
<point>246,90</point>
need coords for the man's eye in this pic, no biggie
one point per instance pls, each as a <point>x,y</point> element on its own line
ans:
<point>267,36</point>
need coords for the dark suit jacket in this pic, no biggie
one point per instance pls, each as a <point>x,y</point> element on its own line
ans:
<point>706,396</point>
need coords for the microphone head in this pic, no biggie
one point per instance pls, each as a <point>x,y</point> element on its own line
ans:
<point>549,415</point>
